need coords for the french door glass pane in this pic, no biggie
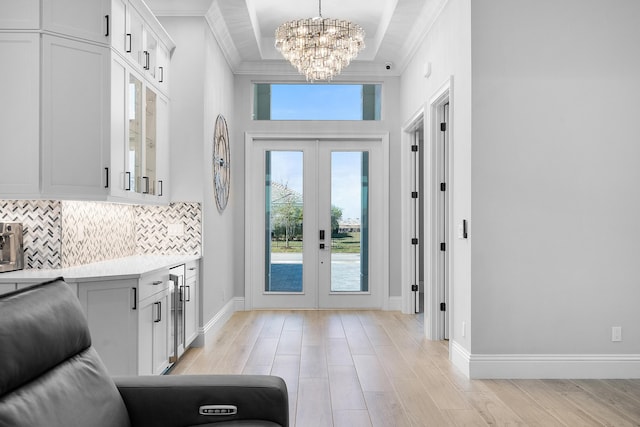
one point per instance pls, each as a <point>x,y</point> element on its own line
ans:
<point>283,221</point>
<point>349,221</point>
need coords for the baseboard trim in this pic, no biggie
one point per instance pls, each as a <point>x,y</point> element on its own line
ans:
<point>459,357</point>
<point>395,304</point>
<point>530,366</point>
<point>239,304</point>
<point>216,323</point>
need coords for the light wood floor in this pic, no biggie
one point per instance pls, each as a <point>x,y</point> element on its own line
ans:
<point>374,368</point>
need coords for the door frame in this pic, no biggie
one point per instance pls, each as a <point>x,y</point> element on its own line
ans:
<point>249,205</point>
<point>429,117</point>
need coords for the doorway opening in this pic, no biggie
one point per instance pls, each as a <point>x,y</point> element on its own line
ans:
<point>316,231</point>
<point>427,241</point>
<point>438,263</point>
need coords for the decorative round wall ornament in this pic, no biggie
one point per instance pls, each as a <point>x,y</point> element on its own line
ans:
<point>221,163</point>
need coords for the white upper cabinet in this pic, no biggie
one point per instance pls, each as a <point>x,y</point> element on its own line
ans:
<point>67,115</point>
<point>20,14</point>
<point>19,113</point>
<point>87,20</point>
<point>118,26</point>
<point>147,45</point>
<point>75,118</point>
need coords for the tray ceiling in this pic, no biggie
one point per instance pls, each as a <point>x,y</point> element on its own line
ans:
<point>245,29</point>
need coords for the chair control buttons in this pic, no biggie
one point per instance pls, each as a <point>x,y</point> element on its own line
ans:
<point>218,410</point>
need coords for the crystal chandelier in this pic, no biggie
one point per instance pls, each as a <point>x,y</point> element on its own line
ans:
<point>319,47</point>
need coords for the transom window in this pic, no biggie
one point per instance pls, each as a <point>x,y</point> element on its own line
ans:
<point>317,101</point>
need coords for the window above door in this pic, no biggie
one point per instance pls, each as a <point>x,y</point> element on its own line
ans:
<point>318,101</point>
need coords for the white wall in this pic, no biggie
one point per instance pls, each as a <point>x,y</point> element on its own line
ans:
<point>390,123</point>
<point>555,199</point>
<point>201,88</point>
<point>447,47</point>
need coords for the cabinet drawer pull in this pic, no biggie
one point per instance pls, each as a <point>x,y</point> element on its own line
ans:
<point>127,47</point>
<point>146,185</point>
<point>157,282</point>
<point>161,74</point>
<point>191,268</point>
<point>161,188</point>
<point>106,170</point>
<point>188,293</point>
<point>106,17</point>
<point>181,293</point>
<point>147,60</point>
<point>135,298</point>
<point>128,183</point>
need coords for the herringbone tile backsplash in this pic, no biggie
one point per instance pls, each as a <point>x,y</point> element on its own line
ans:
<point>68,233</point>
<point>41,229</point>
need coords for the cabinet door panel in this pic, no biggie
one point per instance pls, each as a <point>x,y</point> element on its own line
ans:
<point>118,31</point>
<point>19,114</point>
<point>119,136</point>
<point>145,339</point>
<point>111,310</point>
<point>191,310</point>
<point>75,104</point>
<point>162,151</point>
<point>161,335</point>
<point>135,32</point>
<point>83,19</point>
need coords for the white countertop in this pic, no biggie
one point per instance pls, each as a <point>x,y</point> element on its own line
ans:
<point>121,268</point>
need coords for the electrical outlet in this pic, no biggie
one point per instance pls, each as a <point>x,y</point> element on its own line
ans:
<point>174,230</point>
<point>616,333</point>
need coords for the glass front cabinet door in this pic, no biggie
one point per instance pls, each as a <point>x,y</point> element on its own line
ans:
<point>145,143</point>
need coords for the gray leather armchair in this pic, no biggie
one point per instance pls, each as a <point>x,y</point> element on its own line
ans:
<point>51,376</point>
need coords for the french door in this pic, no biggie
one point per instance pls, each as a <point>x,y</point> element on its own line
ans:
<point>315,224</point>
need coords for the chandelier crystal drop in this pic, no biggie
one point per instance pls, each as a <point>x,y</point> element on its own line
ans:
<point>320,48</point>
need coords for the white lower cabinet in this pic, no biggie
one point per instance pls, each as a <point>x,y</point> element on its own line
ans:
<point>130,322</point>
<point>111,308</point>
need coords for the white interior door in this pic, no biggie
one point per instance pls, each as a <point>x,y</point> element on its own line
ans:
<point>316,224</point>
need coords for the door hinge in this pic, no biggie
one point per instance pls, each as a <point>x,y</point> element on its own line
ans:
<point>414,148</point>
<point>414,194</point>
<point>443,246</point>
<point>443,126</point>
<point>414,241</point>
<point>443,306</point>
<point>414,288</point>
<point>443,186</point>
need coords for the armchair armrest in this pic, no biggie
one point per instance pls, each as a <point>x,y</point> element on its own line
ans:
<point>175,401</point>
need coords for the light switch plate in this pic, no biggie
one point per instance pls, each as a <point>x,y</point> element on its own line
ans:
<point>616,333</point>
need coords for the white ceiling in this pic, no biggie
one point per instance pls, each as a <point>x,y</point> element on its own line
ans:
<point>245,29</point>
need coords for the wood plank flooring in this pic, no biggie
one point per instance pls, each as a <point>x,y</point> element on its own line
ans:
<point>375,368</point>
